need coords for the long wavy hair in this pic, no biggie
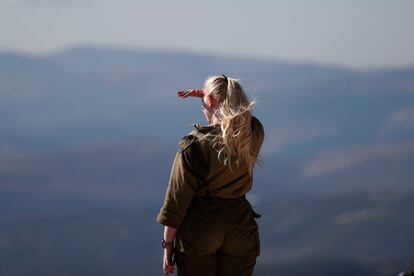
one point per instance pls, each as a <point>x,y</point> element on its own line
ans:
<point>234,141</point>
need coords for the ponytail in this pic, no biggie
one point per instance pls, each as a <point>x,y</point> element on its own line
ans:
<point>234,143</point>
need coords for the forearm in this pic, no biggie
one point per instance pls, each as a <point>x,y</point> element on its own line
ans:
<point>169,233</point>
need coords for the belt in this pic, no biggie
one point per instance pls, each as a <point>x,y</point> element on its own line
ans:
<point>222,200</point>
<point>225,201</point>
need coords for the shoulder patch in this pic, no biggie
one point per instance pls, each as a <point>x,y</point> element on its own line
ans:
<point>185,142</point>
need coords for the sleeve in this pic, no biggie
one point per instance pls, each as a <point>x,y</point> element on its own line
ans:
<point>183,182</point>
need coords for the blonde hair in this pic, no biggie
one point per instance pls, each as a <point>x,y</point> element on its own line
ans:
<point>234,142</point>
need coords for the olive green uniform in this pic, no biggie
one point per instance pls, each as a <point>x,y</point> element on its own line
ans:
<point>217,232</point>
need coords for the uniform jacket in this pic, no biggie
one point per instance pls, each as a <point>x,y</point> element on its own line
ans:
<point>197,172</point>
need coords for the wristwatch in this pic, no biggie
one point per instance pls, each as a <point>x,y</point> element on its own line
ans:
<point>164,243</point>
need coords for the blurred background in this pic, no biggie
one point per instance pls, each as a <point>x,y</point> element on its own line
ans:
<point>89,124</point>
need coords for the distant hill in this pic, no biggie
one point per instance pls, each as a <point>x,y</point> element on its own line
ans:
<point>87,137</point>
<point>87,95</point>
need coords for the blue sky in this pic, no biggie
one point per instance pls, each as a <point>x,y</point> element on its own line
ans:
<point>357,34</point>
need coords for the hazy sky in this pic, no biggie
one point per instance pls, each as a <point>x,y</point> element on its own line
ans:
<point>354,33</point>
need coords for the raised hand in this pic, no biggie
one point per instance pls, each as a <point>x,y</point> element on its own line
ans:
<point>190,93</point>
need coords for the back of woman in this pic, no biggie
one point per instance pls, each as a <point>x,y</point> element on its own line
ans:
<point>210,227</point>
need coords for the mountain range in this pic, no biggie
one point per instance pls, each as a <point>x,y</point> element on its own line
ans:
<point>88,135</point>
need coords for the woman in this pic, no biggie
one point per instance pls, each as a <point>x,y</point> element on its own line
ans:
<point>205,209</point>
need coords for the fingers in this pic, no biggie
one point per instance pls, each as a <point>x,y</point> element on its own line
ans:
<point>190,93</point>
<point>167,267</point>
<point>168,270</point>
<point>186,93</point>
<point>183,94</point>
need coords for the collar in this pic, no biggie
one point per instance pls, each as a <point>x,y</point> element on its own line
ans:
<point>200,126</point>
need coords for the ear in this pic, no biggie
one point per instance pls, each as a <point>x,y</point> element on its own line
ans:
<point>211,101</point>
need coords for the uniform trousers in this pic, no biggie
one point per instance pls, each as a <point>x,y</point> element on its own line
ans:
<point>218,237</point>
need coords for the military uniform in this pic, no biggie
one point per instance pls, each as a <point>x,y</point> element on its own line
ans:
<point>217,233</point>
